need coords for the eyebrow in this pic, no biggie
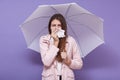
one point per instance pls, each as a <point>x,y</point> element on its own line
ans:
<point>55,24</point>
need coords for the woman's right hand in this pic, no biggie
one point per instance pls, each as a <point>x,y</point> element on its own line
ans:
<point>55,37</point>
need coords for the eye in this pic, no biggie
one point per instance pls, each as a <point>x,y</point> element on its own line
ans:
<point>59,25</point>
<point>53,25</point>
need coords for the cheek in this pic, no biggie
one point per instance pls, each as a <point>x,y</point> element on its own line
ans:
<point>60,27</point>
<point>52,28</point>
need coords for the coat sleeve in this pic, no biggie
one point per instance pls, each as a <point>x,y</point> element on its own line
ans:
<point>47,52</point>
<point>76,62</point>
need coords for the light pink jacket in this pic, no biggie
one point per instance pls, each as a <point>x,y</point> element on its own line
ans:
<point>48,53</point>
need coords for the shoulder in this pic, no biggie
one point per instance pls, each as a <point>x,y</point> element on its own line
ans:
<point>71,39</point>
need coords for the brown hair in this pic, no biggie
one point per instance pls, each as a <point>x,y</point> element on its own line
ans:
<point>62,41</point>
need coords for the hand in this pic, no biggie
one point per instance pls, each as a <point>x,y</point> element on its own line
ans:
<point>55,37</point>
<point>65,58</point>
<point>67,61</point>
<point>63,55</point>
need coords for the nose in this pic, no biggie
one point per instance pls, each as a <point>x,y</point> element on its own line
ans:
<point>56,27</point>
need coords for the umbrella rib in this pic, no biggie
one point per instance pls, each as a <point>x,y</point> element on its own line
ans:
<point>76,39</point>
<point>85,26</point>
<point>54,9</point>
<point>90,29</point>
<point>36,19</point>
<point>67,10</point>
<point>80,14</point>
<point>37,35</point>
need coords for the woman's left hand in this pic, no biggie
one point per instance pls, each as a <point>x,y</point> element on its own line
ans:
<point>65,58</point>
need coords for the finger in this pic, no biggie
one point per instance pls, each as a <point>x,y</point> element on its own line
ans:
<point>63,55</point>
<point>56,31</point>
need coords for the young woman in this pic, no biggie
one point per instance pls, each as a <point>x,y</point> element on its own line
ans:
<point>59,55</point>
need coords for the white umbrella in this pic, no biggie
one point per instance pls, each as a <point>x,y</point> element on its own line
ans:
<point>85,27</point>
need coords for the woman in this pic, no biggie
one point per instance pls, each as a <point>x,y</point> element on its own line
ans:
<point>59,55</point>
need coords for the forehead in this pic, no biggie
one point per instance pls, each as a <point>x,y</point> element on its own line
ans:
<point>55,21</point>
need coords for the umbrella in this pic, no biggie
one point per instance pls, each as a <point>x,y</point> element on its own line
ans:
<point>84,26</point>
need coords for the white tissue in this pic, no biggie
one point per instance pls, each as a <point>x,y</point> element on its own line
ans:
<point>60,33</point>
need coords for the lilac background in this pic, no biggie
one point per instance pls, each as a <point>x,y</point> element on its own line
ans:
<point>19,63</point>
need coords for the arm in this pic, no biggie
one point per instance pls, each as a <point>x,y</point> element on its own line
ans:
<point>76,62</point>
<point>48,53</point>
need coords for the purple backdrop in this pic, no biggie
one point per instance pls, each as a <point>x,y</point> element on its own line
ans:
<point>19,63</point>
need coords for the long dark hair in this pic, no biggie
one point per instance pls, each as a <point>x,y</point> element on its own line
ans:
<point>62,41</point>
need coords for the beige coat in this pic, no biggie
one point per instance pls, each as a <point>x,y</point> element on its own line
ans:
<point>49,51</point>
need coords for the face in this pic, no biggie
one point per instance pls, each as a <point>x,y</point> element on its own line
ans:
<point>55,25</point>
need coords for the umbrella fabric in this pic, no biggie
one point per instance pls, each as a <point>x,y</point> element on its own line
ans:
<point>85,27</point>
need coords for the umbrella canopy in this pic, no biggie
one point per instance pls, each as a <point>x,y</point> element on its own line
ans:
<point>85,27</point>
